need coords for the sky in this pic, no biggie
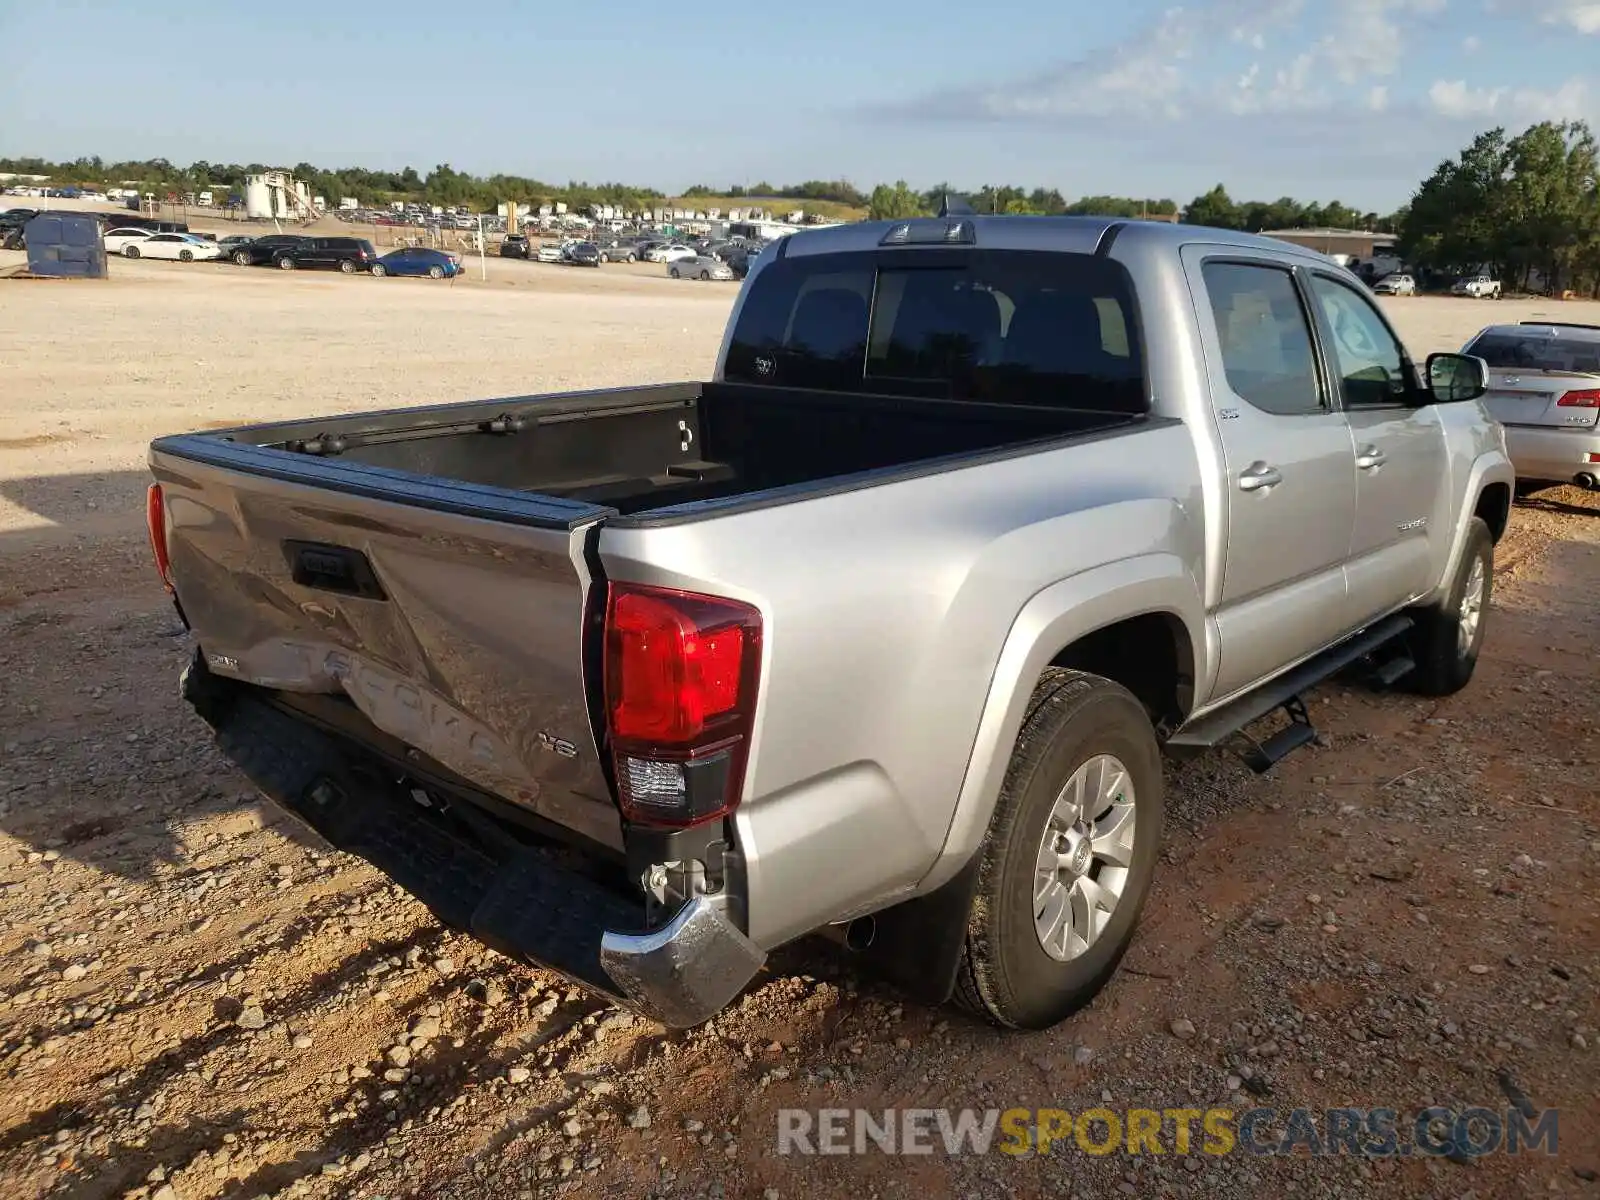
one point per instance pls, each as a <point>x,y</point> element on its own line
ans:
<point>1355,100</point>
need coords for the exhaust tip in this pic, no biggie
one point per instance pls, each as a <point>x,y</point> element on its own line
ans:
<point>860,933</point>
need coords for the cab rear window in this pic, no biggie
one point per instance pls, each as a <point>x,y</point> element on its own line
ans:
<point>1012,327</point>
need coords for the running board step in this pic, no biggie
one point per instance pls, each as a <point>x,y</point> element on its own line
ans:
<point>1216,727</point>
<point>1391,671</point>
<point>1261,757</point>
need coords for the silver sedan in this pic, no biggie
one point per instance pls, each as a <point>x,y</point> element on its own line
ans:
<point>701,266</point>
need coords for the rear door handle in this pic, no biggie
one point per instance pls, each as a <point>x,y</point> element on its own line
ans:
<point>1259,475</point>
<point>1369,458</point>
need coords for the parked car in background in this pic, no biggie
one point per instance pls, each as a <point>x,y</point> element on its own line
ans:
<point>515,245</point>
<point>699,266</point>
<point>584,254</point>
<point>346,254</point>
<point>417,260</point>
<point>671,252</point>
<point>234,241</point>
<point>118,241</point>
<point>1479,287</point>
<point>550,254</point>
<point>1544,387</point>
<point>179,247</point>
<point>1396,285</point>
<point>264,250</point>
<point>620,252</point>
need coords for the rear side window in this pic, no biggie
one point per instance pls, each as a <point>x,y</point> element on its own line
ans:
<point>1265,338</point>
<point>999,326</point>
<point>1521,352</point>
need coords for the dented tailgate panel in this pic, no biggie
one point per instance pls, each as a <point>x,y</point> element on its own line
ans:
<point>461,636</point>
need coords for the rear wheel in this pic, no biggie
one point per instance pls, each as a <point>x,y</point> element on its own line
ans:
<point>286,264</point>
<point>633,258</point>
<point>185,255</point>
<point>1069,856</point>
<point>242,257</point>
<point>348,267</point>
<point>1448,636</point>
<point>705,276</point>
<point>130,251</point>
<point>673,271</point>
<point>435,272</point>
<point>379,270</point>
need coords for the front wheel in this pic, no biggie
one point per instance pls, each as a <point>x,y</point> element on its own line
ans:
<point>705,276</point>
<point>286,264</point>
<point>674,273</point>
<point>241,257</point>
<point>379,270</point>
<point>130,252</point>
<point>633,258</point>
<point>435,272</point>
<point>1448,636</point>
<point>348,267</point>
<point>1069,856</point>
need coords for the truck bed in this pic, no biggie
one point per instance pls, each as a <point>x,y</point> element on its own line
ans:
<point>637,450</point>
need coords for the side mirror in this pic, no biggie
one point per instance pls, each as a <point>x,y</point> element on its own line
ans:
<point>1456,377</point>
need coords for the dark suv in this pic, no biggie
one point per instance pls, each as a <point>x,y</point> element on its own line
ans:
<point>264,250</point>
<point>515,246</point>
<point>346,253</point>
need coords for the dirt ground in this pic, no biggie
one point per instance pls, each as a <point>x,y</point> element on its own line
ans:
<point>198,1000</point>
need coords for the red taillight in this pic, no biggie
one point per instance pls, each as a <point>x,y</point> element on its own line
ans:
<point>1588,398</point>
<point>155,519</point>
<point>681,672</point>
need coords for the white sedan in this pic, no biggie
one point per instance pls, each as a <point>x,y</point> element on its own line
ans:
<point>672,253</point>
<point>118,240</point>
<point>180,247</point>
<point>548,254</point>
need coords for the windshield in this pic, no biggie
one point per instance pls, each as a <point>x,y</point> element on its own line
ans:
<point>1533,352</point>
<point>1009,327</point>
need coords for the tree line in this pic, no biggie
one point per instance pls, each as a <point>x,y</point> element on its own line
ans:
<point>1526,207</point>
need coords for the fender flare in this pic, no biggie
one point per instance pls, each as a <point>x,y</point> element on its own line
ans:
<point>1489,469</point>
<point>1050,621</point>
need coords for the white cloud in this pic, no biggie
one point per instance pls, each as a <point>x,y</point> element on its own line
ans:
<point>1471,43</point>
<point>1582,15</point>
<point>1378,98</point>
<point>1457,99</point>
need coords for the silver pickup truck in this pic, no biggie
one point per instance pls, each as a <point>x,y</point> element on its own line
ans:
<point>882,631</point>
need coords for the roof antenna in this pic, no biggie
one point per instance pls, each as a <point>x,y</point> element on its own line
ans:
<point>954,206</point>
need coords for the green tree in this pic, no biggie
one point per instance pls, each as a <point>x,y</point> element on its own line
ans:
<point>1216,208</point>
<point>894,203</point>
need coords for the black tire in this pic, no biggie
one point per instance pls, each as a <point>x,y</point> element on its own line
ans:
<point>705,276</point>
<point>286,264</point>
<point>241,257</point>
<point>673,271</point>
<point>185,255</point>
<point>435,272</point>
<point>379,270</point>
<point>1006,975</point>
<point>633,258</point>
<point>348,267</point>
<point>130,252</point>
<point>1444,664</point>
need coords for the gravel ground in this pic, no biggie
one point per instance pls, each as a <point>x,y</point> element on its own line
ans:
<point>197,999</point>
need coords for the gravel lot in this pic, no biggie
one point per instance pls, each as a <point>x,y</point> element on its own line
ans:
<point>199,1000</point>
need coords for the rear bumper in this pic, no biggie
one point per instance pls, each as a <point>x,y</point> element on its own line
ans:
<point>545,906</point>
<point>1552,454</point>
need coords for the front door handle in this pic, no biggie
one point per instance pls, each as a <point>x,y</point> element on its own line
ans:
<point>1259,475</point>
<point>1369,458</point>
